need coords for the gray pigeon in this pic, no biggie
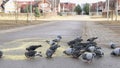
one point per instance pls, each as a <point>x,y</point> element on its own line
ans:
<point>32,54</point>
<point>112,45</point>
<point>68,51</point>
<point>116,52</point>
<point>1,54</point>
<point>99,53</point>
<point>51,43</point>
<point>51,50</point>
<point>87,57</point>
<point>91,49</point>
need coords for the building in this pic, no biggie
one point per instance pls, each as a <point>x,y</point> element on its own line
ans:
<point>112,7</point>
<point>45,6</point>
<point>0,5</point>
<point>55,4</point>
<point>21,5</point>
<point>10,7</point>
<point>67,7</point>
<point>97,8</point>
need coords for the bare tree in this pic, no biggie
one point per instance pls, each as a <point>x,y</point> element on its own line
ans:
<point>16,12</point>
<point>116,9</point>
<point>112,5</point>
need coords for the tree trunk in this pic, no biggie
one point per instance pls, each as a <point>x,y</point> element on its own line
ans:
<point>112,12</point>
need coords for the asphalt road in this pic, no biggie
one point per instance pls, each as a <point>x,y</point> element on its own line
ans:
<point>13,45</point>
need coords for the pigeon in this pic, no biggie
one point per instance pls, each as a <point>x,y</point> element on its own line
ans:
<point>112,45</point>
<point>34,47</point>
<point>90,48</point>
<point>75,53</point>
<point>58,38</point>
<point>92,39</point>
<point>75,41</point>
<point>87,57</point>
<point>52,42</point>
<point>68,51</point>
<point>116,52</point>
<point>1,54</point>
<point>99,53</point>
<point>32,54</point>
<point>54,48</point>
<point>51,51</point>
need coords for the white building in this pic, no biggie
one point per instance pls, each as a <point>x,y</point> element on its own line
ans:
<point>0,4</point>
<point>10,7</point>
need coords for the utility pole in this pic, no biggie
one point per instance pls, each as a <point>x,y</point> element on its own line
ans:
<point>97,8</point>
<point>108,9</point>
<point>63,7</point>
<point>89,8</point>
<point>59,7</point>
<point>55,5</point>
<point>116,9</point>
<point>31,10</point>
<point>68,6</point>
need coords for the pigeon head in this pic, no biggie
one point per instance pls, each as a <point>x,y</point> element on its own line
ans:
<point>112,45</point>
<point>27,49</point>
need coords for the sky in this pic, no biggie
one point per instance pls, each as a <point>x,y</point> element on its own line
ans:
<point>81,1</point>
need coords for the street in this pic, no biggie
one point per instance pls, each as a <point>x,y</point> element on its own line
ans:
<point>13,44</point>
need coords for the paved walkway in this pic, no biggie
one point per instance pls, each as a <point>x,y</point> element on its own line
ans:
<point>105,35</point>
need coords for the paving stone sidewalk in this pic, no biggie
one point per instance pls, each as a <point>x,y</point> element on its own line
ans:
<point>104,34</point>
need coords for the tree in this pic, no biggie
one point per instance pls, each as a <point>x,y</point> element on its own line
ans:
<point>27,9</point>
<point>78,9</point>
<point>86,8</point>
<point>36,12</point>
<point>112,8</point>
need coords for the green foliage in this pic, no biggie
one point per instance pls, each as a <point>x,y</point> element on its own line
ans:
<point>37,12</point>
<point>86,8</point>
<point>78,9</point>
<point>27,9</point>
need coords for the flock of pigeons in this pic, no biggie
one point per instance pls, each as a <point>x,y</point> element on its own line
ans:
<point>77,49</point>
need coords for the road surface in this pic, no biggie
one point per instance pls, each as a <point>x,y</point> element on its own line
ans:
<point>13,44</point>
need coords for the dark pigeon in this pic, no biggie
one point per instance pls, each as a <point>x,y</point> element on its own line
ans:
<point>32,54</point>
<point>51,51</point>
<point>1,54</point>
<point>34,47</point>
